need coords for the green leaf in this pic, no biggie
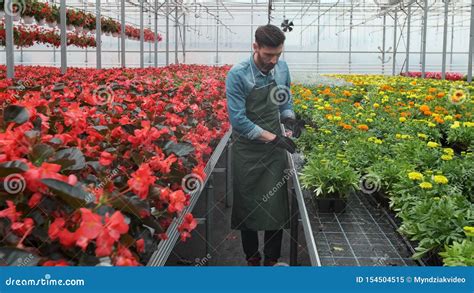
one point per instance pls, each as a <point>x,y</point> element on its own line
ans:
<point>12,167</point>
<point>101,129</point>
<point>129,128</point>
<point>131,205</point>
<point>70,159</point>
<point>41,153</point>
<point>17,114</point>
<point>179,149</point>
<point>75,196</point>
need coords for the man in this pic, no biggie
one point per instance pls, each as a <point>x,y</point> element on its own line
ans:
<point>258,100</point>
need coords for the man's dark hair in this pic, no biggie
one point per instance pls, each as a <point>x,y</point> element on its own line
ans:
<point>269,36</point>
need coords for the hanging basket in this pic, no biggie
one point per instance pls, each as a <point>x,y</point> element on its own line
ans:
<point>16,18</point>
<point>42,22</point>
<point>115,35</point>
<point>78,29</point>
<point>85,30</point>
<point>2,14</point>
<point>70,27</point>
<point>108,34</point>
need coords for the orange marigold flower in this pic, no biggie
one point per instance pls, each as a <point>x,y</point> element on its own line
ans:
<point>363,127</point>
<point>424,108</point>
<point>439,120</point>
<point>429,98</point>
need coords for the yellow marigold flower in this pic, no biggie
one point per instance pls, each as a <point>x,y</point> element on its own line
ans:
<point>422,135</point>
<point>304,107</point>
<point>456,124</point>
<point>432,144</point>
<point>446,157</point>
<point>370,120</point>
<point>415,176</point>
<point>431,124</point>
<point>373,114</point>
<point>440,179</point>
<point>469,230</point>
<point>426,185</point>
<point>448,151</point>
<point>376,105</point>
<point>337,118</point>
<point>448,117</point>
<point>468,124</point>
<point>398,135</point>
<point>402,119</point>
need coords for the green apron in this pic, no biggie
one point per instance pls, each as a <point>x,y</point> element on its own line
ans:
<point>259,170</point>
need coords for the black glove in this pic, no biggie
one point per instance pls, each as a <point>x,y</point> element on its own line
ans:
<point>284,143</point>
<point>295,125</point>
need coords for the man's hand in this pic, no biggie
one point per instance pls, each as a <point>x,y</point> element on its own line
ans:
<point>296,126</point>
<point>284,143</point>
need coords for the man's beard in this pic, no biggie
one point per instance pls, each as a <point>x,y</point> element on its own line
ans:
<point>265,67</point>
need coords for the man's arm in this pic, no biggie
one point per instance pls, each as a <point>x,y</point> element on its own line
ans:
<point>236,95</point>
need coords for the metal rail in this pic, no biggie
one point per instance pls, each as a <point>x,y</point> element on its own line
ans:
<point>163,251</point>
<point>308,232</point>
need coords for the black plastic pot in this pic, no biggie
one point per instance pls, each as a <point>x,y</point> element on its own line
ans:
<point>330,205</point>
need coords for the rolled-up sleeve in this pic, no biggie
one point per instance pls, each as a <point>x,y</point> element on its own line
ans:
<point>236,96</point>
<point>286,109</point>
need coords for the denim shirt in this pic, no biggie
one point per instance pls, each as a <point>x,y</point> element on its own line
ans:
<point>239,84</point>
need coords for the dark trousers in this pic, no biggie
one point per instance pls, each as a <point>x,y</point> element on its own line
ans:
<point>271,248</point>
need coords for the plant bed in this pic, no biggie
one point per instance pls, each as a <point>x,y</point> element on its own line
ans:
<point>94,164</point>
<point>414,137</point>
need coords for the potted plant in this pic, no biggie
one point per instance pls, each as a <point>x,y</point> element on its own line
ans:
<point>331,181</point>
<point>29,12</point>
<point>52,19</point>
<point>40,11</point>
